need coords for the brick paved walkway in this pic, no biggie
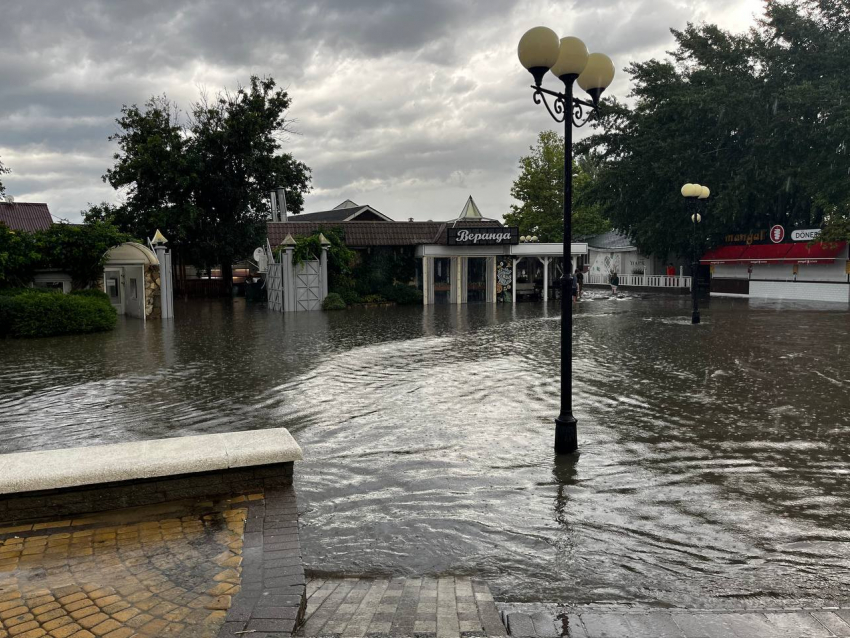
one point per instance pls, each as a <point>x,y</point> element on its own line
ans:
<point>166,570</point>
<point>549,621</point>
<point>444,607</point>
<point>184,569</point>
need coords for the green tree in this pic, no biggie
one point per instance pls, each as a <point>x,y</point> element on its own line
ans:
<point>758,117</point>
<point>78,249</point>
<point>18,257</point>
<point>3,171</point>
<point>540,191</point>
<point>204,180</point>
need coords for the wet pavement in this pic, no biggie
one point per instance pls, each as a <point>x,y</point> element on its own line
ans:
<point>550,621</point>
<point>445,608</point>
<point>165,570</point>
<point>713,466</point>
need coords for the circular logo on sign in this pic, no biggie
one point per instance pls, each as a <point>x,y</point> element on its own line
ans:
<point>777,234</point>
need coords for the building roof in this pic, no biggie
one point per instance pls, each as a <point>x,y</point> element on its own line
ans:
<point>612,240</point>
<point>343,213</point>
<point>367,234</point>
<point>470,210</point>
<point>24,216</point>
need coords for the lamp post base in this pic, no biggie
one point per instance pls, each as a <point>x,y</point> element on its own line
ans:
<point>566,437</point>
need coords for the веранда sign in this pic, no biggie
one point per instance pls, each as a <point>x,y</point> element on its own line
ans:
<point>483,236</point>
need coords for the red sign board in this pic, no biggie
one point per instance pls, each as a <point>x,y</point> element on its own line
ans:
<point>777,234</point>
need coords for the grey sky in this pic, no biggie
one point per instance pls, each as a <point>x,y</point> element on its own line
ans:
<point>407,105</point>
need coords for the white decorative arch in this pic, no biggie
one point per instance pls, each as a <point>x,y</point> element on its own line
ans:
<point>132,253</point>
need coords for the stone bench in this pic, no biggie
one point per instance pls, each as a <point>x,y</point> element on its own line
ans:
<point>69,482</point>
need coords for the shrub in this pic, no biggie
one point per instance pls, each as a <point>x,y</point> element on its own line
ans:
<point>94,293</point>
<point>349,295</point>
<point>33,313</point>
<point>373,299</point>
<point>402,294</point>
<point>333,302</point>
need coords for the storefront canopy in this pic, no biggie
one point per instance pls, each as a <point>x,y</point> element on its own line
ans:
<point>798,253</point>
<point>723,255</point>
<point>802,253</point>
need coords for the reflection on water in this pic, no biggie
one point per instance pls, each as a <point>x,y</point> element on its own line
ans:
<point>714,458</point>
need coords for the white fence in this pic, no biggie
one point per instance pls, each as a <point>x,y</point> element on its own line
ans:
<point>650,281</point>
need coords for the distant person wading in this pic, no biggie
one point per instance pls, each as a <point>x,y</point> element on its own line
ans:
<point>615,281</point>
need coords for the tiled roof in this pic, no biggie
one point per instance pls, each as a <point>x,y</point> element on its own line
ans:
<point>335,215</point>
<point>25,216</point>
<point>365,234</point>
<point>611,239</point>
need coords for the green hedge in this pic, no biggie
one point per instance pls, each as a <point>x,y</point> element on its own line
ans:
<point>333,302</point>
<point>34,313</point>
<point>402,294</point>
<point>94,293</point>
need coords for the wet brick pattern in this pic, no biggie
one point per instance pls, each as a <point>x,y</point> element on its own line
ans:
<point>549,621</point>
<point>152,571</point>
<point>271,601</point>
<point>423,607</point>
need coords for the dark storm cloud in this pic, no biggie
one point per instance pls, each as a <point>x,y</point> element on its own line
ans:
<point>402,102</point>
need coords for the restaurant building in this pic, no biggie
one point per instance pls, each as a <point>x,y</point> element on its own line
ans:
<point>466,259</point>
<point>776,263</point>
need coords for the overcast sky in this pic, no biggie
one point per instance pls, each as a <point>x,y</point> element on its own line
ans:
<point>407,105</point>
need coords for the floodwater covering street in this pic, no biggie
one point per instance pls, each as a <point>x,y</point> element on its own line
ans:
<point>715,459</point>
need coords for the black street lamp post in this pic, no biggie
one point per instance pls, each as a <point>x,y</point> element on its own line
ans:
<point>694,194</point>
<point>540,51</point>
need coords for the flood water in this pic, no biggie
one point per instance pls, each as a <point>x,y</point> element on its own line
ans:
<point>714,467</point>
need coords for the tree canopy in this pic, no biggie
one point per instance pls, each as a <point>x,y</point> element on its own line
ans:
<point>540,191</point>
<point>204,180</point>
<point>77,249</point>
<point>3,171</point>
<point>760,118</point>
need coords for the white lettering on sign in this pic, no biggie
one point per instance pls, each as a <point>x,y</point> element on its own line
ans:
<point>477,236</point>
<point>805,235</point>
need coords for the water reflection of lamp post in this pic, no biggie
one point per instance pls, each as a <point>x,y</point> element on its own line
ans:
<point>694,193</point>
<point>540,51</point>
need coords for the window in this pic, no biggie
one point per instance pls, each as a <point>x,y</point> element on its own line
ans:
<point>112,288</point>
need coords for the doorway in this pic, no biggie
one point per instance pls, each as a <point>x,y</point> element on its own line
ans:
<point>113,286</point>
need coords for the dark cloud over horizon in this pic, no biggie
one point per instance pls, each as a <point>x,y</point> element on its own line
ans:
<point>409,105</point>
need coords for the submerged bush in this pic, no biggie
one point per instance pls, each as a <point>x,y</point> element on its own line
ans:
<point>333,302</point>
<point>34,313</point>
<point>402,294</point>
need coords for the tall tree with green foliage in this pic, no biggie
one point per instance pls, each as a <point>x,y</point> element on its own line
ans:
<point>3,171</point>
<point>204,180</point>
<point>761,118</point>
<point>540,191</point>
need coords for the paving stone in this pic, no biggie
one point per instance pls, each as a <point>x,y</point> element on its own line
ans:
<point>520,625</point>
<point>833,622</point>
<point>799,623</point>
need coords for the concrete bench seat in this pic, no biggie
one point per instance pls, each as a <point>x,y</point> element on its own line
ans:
<point>77,480</point>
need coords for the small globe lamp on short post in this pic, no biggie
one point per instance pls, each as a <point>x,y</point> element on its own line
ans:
<point>695,194</point>
<point>540,50</point>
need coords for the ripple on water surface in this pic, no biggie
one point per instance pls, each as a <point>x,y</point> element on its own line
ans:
<point>713,466</point>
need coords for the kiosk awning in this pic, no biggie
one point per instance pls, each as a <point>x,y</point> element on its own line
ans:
<point>765,253</point>
<point>820,253</point>
<point>723,255</point>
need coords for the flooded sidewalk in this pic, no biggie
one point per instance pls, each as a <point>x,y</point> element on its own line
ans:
<point>166,570</point>
<point>549,621</point>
